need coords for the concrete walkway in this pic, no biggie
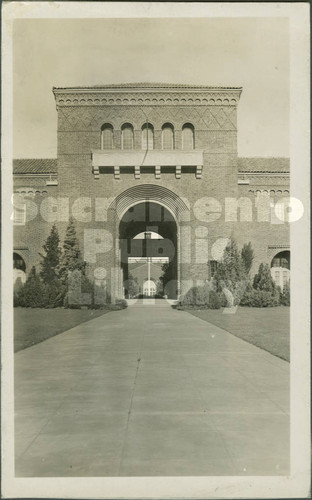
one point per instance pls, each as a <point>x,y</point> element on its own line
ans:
<point>150,391</point>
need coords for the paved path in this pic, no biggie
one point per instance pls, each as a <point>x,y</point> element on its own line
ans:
<point>150,391</point>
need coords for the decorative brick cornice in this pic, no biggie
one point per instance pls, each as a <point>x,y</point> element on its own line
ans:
<point>277,246</point>
<point>264,173</point>
<point>148,95</point>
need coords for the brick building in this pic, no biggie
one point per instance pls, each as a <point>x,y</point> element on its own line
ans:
<point>151,157</point>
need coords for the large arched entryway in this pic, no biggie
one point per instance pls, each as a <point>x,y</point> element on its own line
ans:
<point>172,212</point>
<point>148,237</point>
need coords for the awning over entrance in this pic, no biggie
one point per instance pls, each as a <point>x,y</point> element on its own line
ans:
<point>138,160</point>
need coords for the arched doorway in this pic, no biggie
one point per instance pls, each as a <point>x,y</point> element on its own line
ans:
<point>280,268</point>
<point>19,270</point>
<point>149,218</point>
<point>178,207</point>
<point>149,288</point>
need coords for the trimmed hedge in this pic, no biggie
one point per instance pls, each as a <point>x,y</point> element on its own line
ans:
<point>82,293</point>
<point>201,297</point>
<point>260,298</point>
<point>285,295</point>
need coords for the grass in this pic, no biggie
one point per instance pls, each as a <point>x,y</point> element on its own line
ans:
<point>267,328</point>
<point>32,326</point>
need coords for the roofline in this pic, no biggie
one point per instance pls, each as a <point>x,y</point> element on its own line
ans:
<point>143,86</point>
<point>135,90</point>
<point>140,94</point>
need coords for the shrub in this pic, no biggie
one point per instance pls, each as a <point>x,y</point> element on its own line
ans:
<point>260,298</point>
<point>119,304</point>
<point>55,293</point>
<point>197,296</point>
<point>189,298</point>
<point>33,293</point>
<point>285,295</point>
<point>229,297</point>
<point>79,290</point>
<point>263,279</point>
<point>231,269</point>
<point>247,298</point>
<point>16,297</point>
<point>222,298</point>
<point>214,300</point>
<point>201,297</point>
<point>240,289</point>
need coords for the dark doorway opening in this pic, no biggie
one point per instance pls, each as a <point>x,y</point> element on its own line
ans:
<point>148,238</point>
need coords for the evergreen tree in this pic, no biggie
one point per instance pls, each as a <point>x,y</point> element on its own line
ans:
<point>132,286</point>
<point>168,273</point>
<point>231,277</point>
<point>33,293</point>
<point>247,255</point>
<point>263,279</point>
<point>51,259</point>
<point>159,287</point>
<point>71,258</point>
<point>231,269</point>
<point>285,295</point>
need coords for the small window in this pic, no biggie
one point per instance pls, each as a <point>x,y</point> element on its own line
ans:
<point>147,136</point>
<point>107,136</point>
<point>127,136</point>
<point>19,215</point>
<point>167,137</point>
<point>188,137</point>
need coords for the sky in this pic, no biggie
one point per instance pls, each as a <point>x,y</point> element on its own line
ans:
<point>248,52</point>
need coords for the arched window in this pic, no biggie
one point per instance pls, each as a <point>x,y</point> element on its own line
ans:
<point>188,142</point>
<point>127,136</point>
<point>149,288</point>
<point>19,271</point>
<point>280,268</point>
<point>147,136</point>
<point>18,262</point>
<point>282,259</point>
<point>107,136</point>
<point>167,136</point>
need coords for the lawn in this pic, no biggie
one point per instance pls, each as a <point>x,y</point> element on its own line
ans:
<point>32,326</point>
<point>267,328</point>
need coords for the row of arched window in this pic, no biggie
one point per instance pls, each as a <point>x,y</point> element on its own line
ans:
<point>147,136</point>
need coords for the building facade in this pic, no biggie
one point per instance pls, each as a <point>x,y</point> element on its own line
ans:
<point>151,157</point>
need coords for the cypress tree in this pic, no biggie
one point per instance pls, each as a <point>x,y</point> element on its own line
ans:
<point>231,268</point>
<point>51,259</point>
<point>71,258</point>
<point>247,255</point>
<point>263,279</point>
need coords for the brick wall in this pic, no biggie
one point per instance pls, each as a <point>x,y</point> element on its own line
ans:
<point>79,132</point>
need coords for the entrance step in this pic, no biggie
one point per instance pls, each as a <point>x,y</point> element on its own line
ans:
<point>151,302</point>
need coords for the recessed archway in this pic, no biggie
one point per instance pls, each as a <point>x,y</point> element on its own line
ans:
<point>149,218</point>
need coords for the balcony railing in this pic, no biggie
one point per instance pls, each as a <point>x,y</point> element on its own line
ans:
<point>137,160</point>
